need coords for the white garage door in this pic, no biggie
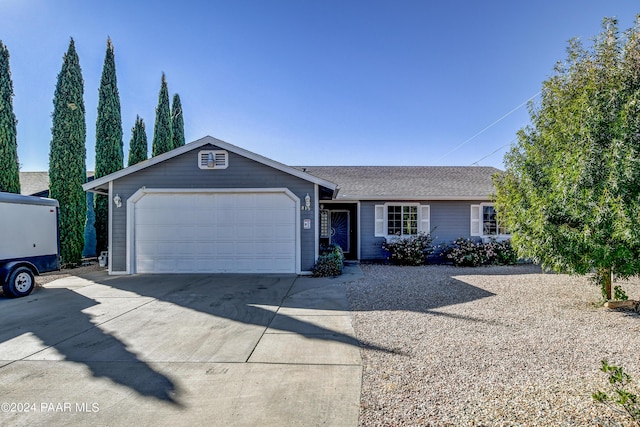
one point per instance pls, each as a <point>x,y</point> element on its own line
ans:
<point>215,233</point>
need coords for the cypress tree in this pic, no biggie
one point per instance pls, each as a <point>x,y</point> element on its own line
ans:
<point>109,153</point>
<point>138,144</point>
<point>177,122</point>
<point>67,156</point>
<point>9,169</point>
<point>162,129</point>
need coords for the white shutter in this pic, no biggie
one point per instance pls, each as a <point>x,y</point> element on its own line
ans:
<point>379,220</point>
<point>425,219</point>
<point>476,214</point>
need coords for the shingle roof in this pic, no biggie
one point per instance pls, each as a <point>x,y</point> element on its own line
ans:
<point>34,183</point>
<point>408,182</point>
<point>37,183</point>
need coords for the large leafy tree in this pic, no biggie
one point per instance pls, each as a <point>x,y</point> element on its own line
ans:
<point>177,122</point>
<point>67,156</point>
<point>109,154</point>
<point>162,130</point>
<point>9,169</point>
<point>570,193</point>
<point>138,144</point>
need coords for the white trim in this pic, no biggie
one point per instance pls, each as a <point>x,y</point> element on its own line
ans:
<point>475,213</point>
<point>96,183</point>
<point>316,222</point>
<point>424,223</point>
<point>110,228</point>
<point>131,268</point>
<point>358,230</point>
<point>379,223</point>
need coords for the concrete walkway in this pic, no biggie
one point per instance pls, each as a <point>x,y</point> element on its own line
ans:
<point>219,350</point>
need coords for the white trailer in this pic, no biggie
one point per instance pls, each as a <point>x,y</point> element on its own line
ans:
<point>29,241</point>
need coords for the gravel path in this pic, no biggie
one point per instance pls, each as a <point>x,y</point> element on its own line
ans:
<point>45,278</point>
<point>488,346</point>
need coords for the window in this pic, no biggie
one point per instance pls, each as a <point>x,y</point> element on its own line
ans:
<point>484,221</point>
<point>401,220</point>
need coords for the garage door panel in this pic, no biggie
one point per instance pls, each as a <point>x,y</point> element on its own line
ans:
<point>215,232</point>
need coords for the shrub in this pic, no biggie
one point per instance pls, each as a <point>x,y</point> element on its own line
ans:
<point>468,253</point>
<point>330,262</point>
<point>465,253</point>
<point>411,250</point>
<point>621,399</point>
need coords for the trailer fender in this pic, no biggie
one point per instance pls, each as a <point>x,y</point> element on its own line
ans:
<point>6,269</point>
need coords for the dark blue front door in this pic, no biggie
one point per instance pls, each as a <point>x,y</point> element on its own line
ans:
<point>340,229</point>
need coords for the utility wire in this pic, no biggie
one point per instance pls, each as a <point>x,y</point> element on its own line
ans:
<point>477,163</point>
<point>488,127</point>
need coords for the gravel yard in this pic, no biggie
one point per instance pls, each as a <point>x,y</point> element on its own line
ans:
<point>487,346</point>
<point>45,278</point>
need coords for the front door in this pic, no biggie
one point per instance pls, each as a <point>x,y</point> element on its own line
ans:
<point>340,230</point>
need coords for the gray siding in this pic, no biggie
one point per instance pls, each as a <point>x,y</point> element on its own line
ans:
<point>449,220</point>
<point>183,172</point>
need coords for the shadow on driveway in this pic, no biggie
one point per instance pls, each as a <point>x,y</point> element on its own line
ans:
<point>55,316</point>
<point>99,321</point>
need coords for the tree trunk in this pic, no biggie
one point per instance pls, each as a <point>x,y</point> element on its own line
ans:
<point>605,277</point>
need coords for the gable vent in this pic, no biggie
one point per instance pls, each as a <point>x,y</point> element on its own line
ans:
<point>213,159</point>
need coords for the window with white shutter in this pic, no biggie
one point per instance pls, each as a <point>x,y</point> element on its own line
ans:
<point>393,219</point>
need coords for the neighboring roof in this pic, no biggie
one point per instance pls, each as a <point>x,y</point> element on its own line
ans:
<point>34,183</point>
<point>101,185</point>
<point>37,183</point>
<point>408,182</point>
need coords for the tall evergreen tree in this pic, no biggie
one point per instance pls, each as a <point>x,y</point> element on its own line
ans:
<point>162,129</point>
<point>109,153</point>
<point>177,122</point>
<point>138,144</point>
<point>67,156</point>
<point>9,169</point>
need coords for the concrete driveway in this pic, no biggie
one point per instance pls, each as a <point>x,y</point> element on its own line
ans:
<point>227,350</point>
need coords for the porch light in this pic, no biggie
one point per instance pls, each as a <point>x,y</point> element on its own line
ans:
<point>307,203</point>
<point>117,200</point>
<point>210,162</point>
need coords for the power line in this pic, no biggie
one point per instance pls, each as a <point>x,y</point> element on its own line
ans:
<point>476,163</point>
<point>488,127</point>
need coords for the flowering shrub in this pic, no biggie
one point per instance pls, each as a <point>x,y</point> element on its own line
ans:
<point>330,262</point>
<point>411,250</point>
<point>506,255</point>
<point>465,253</point>
<point>468,253</point>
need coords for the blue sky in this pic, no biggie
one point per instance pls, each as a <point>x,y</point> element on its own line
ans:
<point>332,82</point>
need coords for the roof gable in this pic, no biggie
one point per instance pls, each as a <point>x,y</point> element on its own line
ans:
<point>101,184</point>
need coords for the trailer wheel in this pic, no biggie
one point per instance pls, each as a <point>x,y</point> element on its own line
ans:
<point>20,283</point>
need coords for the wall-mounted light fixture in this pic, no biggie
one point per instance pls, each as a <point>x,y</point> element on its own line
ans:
<point>307,203</point>
<point>117,200</point>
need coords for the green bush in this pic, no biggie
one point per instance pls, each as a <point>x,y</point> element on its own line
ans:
<point>621,398</point>
<point>330,262</point>
<point>411,250</point>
